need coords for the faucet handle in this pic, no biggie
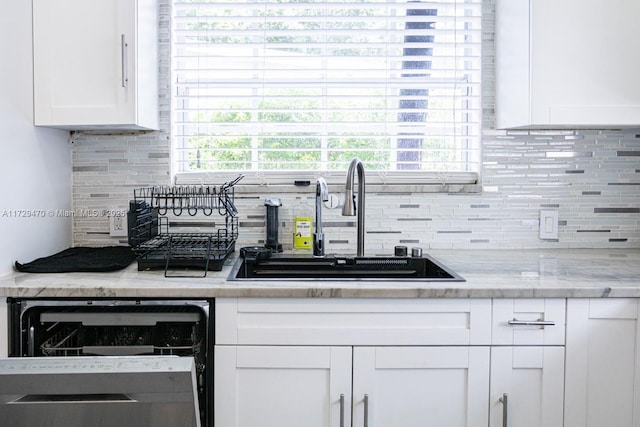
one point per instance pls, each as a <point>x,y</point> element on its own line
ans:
<point>322,189</point>
<point>332,202</point>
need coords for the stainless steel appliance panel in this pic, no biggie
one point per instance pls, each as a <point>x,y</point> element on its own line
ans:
<point>98,392</point>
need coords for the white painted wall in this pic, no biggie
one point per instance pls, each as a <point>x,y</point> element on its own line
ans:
<point>35,163</point>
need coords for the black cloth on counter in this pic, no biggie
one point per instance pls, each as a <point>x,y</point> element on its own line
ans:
<point>81,259</point>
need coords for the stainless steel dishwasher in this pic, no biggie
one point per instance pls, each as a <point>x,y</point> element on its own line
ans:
<point>104,330</point>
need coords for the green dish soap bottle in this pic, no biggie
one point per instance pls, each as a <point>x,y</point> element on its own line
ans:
<point>302,227</point>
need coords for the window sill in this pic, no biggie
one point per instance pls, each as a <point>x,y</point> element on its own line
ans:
<point>298,182</point>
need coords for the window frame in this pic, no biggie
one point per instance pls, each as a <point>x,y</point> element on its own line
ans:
<point>418,180</point>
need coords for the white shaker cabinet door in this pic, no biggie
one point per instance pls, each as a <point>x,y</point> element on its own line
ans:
<point>95,64</point>
<point>527,386</point>
<point>602,363</point>
<point>420,386</point>
<point>567,64</point>
<point>282,386</point>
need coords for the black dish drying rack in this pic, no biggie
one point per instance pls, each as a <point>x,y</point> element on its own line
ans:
<point>156,212</point>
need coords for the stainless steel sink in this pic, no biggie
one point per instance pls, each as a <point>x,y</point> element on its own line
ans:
<point>303,267</point>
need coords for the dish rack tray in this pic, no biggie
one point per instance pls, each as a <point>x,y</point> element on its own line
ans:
<point>127,341</point>
<point>183,229</point>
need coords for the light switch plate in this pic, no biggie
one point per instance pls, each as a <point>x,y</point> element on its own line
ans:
<point>548,225</point>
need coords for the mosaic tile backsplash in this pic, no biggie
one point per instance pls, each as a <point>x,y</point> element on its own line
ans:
<point>591,177</point>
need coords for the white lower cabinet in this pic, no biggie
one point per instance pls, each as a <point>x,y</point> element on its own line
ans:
<point>603,363</point>
<point>389,363</point>
<point>527,386</point>
<point>527,362</point>
<point>270,386</point>
<point>352,362</point>
<point>420,386</point>
<point>528,321</point>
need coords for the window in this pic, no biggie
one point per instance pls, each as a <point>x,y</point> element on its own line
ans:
<point>306,85</point>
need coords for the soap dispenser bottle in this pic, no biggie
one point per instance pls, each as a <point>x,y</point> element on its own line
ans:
<point>302,227</point>
<point>272,241</point>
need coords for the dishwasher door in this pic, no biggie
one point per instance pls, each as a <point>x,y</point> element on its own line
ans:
<point>87,328</point>
<point>120,391</point>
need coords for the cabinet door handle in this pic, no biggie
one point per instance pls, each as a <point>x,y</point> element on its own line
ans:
<point>125,60</point>
<point>342,410</point>
<point>505,409</point>
<point>366,410</point>
<point>538,322</point>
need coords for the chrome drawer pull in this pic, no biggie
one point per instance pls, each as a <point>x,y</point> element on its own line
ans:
<point>366,410</point>
<point>505,409</point>
<point>342,410</point>
<point>124,60</point>
<point>538,322</point>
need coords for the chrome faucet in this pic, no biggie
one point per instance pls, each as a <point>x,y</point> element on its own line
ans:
<point>322,195</point>
<point>349,208</point>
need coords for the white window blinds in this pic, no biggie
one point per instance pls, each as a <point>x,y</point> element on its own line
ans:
<point>285,85</point>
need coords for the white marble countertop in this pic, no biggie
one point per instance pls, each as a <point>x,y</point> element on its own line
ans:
<point>488,273</point>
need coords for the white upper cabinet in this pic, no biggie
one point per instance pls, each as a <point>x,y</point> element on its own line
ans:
<point>567,64</point>
<point>95,64</point>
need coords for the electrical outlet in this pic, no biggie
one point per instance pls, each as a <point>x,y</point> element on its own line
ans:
<point>117,225</point>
